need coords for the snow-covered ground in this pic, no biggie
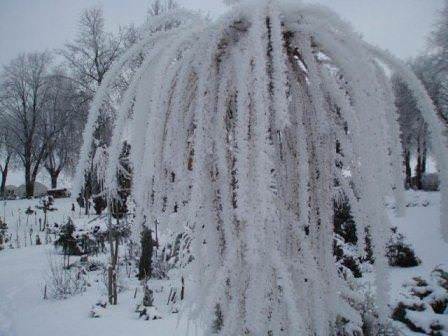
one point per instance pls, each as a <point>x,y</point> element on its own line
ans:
<point>23,272</point>
<point>421,228</point>
<point>23,311</point>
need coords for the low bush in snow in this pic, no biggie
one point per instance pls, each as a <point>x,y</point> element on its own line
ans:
<point>3,236</point>
<point>98,309</point>
<point>62,282</point>
<point>399,253</point>
<point>430,182</point>
<point>425,304</point>
<point>176,253</point>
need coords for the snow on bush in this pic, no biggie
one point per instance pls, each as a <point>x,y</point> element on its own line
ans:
<point>62,282</point>
<point>3,234</point>
<point>399,252</point>
<point>424,308</point>
<point>430,182</point>
<point>98,308</point>
<point>243,132</point>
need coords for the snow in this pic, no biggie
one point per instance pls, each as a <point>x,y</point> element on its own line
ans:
<point>23,271</point>
<point>24,312</point>
<point>340,101</point>
<point>422,229</point>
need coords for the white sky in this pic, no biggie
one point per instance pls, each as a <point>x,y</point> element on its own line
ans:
<point>27,25</point>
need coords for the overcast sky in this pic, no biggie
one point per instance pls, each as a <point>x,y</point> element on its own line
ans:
<point>401,26</point>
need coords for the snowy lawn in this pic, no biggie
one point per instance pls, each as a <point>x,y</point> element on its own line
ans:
<point>421,228</point>
<point>23,311</point>
<point>23,271</point>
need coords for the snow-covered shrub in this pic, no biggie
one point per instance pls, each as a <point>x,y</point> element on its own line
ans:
<point>66,239</point>
<point>98,308</point>
<point>160,268</point>
<point>147,313</point>
<point>344,225</point>
<point>243,132</point>
<point>399,253</point>
<point>347,257</point>
<point>62,282</point>
<point>146,308</point>
<point>78,241</point>
<point>147,244</point>
<point>99,204</point>
<point>430,182</point>
<point>370,324</point>
<point>93,265</point>
<point>176,253</point>
<point>3,234</point>
<point>425,304</point>
<point>345,239</point>
<point>219,320</point>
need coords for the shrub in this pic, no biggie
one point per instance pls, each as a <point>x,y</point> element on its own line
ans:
<point>430,182</point>
<point>63,282</point>
<point>399,253</point>
<point>3,230</point>
<point>426,299</point>
<point>66,240</point>
<point>99,204</point>
<point>399,314</point>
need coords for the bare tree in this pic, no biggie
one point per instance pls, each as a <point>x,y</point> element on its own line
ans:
<point>432,69</point>
<point>413,133</point>
<point>92,53</point>
<point>24,93</point>
<point>439,40</point>
<point>63,125</point>
<point>89,57</point>
<point>6,155</point>
<point>158,7</point>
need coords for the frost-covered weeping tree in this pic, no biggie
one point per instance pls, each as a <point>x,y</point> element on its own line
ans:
<point>244,132</point>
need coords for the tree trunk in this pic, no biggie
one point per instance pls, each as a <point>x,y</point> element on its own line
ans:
<point>3,184</point>
<point>29,188</point>
<point>54,179</point>
<point>418,168</point>
<point>4,176</point>
<point>86,205</point>
<point>424,155</point>
<point>408,170</point>
<point>115,292</point>
<point>109,283</point>
<point>112,270</point>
